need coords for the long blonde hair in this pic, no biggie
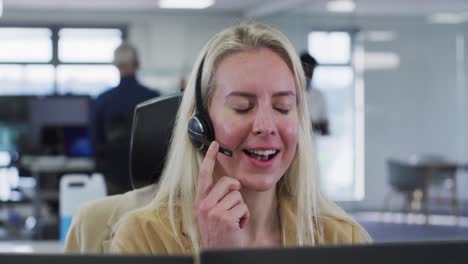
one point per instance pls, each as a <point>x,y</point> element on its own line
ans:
<point>177,187</point>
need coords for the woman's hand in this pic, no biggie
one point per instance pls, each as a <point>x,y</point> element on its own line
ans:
<point>221,211</point>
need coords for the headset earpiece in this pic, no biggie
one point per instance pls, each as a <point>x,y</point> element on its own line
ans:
<point>199,131</point>
<point>200,127</point>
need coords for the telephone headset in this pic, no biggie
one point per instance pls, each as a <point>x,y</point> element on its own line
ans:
<point>200,127</point>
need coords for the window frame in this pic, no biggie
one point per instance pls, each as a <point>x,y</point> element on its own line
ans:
<point>352,44</point>
<point>55,28</point>
<point>358,186</point>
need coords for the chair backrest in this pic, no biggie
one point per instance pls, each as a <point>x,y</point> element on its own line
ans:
<point>153,123</point>
<point>438,177</point>
<point>403,177</point>
<point>426,158</point>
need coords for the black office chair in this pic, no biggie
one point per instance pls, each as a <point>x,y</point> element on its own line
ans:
<point>153,123</point>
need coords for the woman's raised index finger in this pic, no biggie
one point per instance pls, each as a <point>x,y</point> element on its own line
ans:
<point>205,176</point>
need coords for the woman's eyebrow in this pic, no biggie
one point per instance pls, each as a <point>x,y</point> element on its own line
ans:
<point>253,96</point>
<point>284,93</point>
<point>242,94</point>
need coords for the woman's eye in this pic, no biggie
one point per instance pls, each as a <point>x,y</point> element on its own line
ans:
<point>242,110</point>
<point>282,110</point>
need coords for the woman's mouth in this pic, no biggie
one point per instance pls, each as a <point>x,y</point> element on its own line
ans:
<point>262,155</point>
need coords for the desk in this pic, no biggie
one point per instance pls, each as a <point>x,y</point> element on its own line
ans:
<point>428,171</point>
<point>40,247</point>
<point>58,165</point>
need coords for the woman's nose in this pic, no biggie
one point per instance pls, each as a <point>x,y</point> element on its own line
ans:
<point>264,123</point>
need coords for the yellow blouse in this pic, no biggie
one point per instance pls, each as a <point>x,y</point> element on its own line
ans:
<point>148,231</point>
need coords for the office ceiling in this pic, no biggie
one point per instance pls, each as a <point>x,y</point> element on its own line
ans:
<point>248,8</point>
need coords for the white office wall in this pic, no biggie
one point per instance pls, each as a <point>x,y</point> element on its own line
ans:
<point>411,109</point>
<point>462,107</point>
<point>170,45</point>
<point>414,108</point>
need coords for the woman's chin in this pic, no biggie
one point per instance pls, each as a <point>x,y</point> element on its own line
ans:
<point>258,184</point>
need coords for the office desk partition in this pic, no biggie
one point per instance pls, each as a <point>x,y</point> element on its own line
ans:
<point>453,252</point>
<point>87,259</point>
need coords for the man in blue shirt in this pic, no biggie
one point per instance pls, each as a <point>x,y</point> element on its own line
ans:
<point>112,120</point>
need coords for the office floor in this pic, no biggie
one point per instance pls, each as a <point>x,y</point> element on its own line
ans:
<point>390,227</point>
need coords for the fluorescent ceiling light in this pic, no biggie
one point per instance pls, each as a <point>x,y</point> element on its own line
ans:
<point>186,4</point>
<point>341,6</point>
<point>448,18</point>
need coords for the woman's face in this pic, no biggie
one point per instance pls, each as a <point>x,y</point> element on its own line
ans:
<point>254,113</point>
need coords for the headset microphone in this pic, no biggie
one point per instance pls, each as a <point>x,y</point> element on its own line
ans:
<point>200,127</point>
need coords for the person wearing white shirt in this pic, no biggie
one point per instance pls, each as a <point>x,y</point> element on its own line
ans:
<point>315,99</point>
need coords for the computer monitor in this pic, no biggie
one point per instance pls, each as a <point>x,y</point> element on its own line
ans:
<point>448,252</point>
<point>14,109</point>
<point>14,127</point>
<point>66,116</point>
<point>87,259</point>
<point>71,141</point>
<point>77,141</point>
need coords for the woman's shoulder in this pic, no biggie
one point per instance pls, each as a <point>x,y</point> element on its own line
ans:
<point>146,230</point>
<point>146,217</point>
<point>341,230</point>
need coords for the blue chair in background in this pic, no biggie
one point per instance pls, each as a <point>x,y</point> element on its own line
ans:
<point>442,180</point>
<point>419,178</point>
<point>405,180</point>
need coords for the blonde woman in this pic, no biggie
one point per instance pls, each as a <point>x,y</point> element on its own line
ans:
<point>262,190</point>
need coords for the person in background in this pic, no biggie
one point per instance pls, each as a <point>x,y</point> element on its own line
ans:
<point>112,120</point>
<point>182,84</point>
<point>315,99</point>
<point>263,191</point>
